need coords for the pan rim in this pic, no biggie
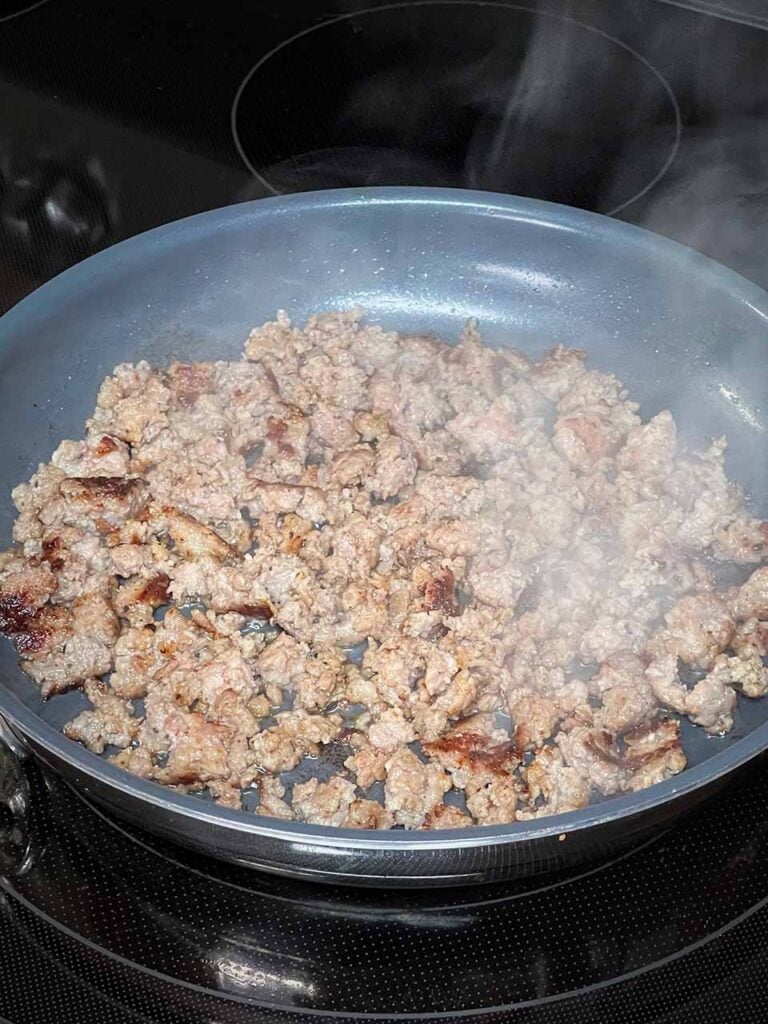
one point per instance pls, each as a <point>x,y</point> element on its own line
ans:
<point>89,273</point>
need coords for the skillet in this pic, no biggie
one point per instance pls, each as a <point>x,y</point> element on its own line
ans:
<point>680,331</point>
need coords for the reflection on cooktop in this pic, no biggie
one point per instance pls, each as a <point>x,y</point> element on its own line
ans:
<point>13,8</point>
<point>473,94</point>
<point>655,113</point>
<point>229,933</point>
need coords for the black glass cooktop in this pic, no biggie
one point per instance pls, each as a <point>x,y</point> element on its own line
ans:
<point>98,922</point>
<point>121,116</point>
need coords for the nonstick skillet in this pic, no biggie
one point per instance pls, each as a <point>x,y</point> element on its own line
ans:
<point>681,331</point>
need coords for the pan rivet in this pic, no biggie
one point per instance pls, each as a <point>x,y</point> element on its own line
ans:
<point>561,837</point>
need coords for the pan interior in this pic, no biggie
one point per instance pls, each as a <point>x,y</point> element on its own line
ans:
<point>681,333</point>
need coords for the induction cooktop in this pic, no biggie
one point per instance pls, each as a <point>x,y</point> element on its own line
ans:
<point>100,922</point>
<point>118,117</point>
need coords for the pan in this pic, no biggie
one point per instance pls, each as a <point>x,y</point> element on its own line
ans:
<point>681,331</point>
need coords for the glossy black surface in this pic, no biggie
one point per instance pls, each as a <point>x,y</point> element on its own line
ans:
<point>176,936</point>
<point>118,117</point>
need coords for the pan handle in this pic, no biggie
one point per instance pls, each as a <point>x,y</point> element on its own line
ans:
<point>22,835</point>
<point>13,740</point>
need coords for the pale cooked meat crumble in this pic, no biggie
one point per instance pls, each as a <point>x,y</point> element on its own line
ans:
<point>483,581</point>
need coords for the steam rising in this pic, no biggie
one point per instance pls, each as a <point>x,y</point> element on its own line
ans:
<point>620,119</point>
<point>497,97</point>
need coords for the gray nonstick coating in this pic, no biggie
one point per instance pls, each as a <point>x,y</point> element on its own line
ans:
<point>681,331</point>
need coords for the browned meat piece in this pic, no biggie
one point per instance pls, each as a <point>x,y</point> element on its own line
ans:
<point>654,753</point>
<point>627,698</point>
<point>368,762</point>
<point>437,589</point>
<point>481,525</point>
<point>25,617</point>
<point>99,455</point>
<point>750,600</point>
<point>591,753</point>
<point>413,788</point>
<point>446,816</point>
<point>324,803</point>
<point>109,723</point>
<point>137,599</point>
<point>132,404</point>
<point>535,719</point>
<point>197,749</point>
<point>553,787</point>
<point>485,770</point>
<point>367,814</point>
<point>650,739</point>
<point>699,628</point>
<point>80,560</point>
<point>188,381</point>
<point>107,500</point>
<point>657,769</point>
<point>191,538</point>
<point>482,723</point>
<point>390,730</point>
<point>86,650</point>
<point>295,736</point>
<point>35,633</point>
<point>271,803</point>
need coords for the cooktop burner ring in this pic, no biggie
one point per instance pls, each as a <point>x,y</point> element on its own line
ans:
<point>640,972</point>
<point>263,172</point>
<point>25,8</point>
<point>177,927</point>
